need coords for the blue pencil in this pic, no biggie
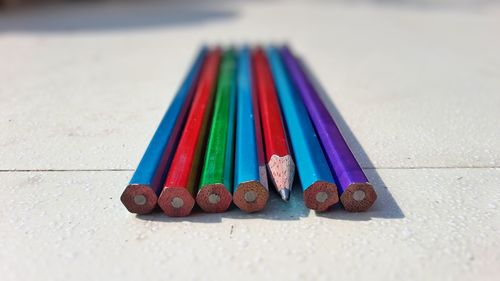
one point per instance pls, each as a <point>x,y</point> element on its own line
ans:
<point>251,191</point>
<point>318,184</point>
<point>141,194</point>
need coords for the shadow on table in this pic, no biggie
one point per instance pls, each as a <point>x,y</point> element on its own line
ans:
<point>276,209</point>
<point>95,15</point>
<point>385,206</point>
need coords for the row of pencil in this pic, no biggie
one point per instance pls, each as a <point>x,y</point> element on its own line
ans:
<point>235,120</point>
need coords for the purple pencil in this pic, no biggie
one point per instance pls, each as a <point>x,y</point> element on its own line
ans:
<point>356,193</point>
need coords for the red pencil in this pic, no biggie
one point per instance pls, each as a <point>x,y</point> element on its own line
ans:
<point>278,156</point>
<point>176,199</point>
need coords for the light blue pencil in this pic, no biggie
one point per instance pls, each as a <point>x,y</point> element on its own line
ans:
<point>251,191</point>
<point>141,194</point>
<point>318,184</point>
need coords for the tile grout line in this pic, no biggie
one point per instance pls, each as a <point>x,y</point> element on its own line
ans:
<point>66,170</point>
<point>430,167</point>
<point>131,170</point>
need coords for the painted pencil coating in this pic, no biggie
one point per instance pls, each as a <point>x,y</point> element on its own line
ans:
<point>176,198</point>
<point>320,191</point>
<point>140,196</point>
<point>250,184</point>
<point>356,192</point>
<point>246,162</point>
<point>259,140</point>
<point>279,159</point>
<point>276,140</point>
<point>214,194</point>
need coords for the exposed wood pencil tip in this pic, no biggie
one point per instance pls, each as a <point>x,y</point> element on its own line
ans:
<point>282,170</point>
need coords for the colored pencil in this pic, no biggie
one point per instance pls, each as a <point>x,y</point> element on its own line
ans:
<point>259,140</point>
<point>279,159</point>
<point>356,193</point>
<point>250,184</point>
<point>318,184</point>
<point>214,194</point>
<point>141,194</point>
<point>176,199</point>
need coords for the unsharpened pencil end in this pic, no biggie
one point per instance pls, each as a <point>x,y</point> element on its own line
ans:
<point>176,202</point>
<point>251,196</point>
<point>139,199</point>
<point>285,194</point>
<point>320,195</point>
<point>358,197</point>
<point>214,198</point>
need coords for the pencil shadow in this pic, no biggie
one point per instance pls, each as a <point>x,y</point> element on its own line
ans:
<point>385,206</point>
<point>100,15</point>
<point>276,209</point>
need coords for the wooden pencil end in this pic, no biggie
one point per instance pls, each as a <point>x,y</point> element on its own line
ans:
<point>139,199</point>
<point>320,195</point>
<point>358,197</point>
<point>176,202</point>
<point>251,196</point>
<point>214,198</point>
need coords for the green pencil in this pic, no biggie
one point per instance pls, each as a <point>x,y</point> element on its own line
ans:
<point>216,180</point>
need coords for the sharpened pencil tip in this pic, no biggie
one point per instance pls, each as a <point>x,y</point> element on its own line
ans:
<point>282,170</point>
<point>285,194</point>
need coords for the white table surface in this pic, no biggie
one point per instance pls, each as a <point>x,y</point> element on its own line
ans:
<point>416,83</point>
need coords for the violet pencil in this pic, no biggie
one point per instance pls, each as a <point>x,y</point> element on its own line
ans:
<point>356,193</point>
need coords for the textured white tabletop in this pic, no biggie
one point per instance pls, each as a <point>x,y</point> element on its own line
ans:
<point>416,83</point>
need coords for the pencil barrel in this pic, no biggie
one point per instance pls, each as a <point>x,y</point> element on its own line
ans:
<point>250,185</point>
<point>140,196</point>
<point>280,163</point>
<point>176,199</point>
<point>215,188</point>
